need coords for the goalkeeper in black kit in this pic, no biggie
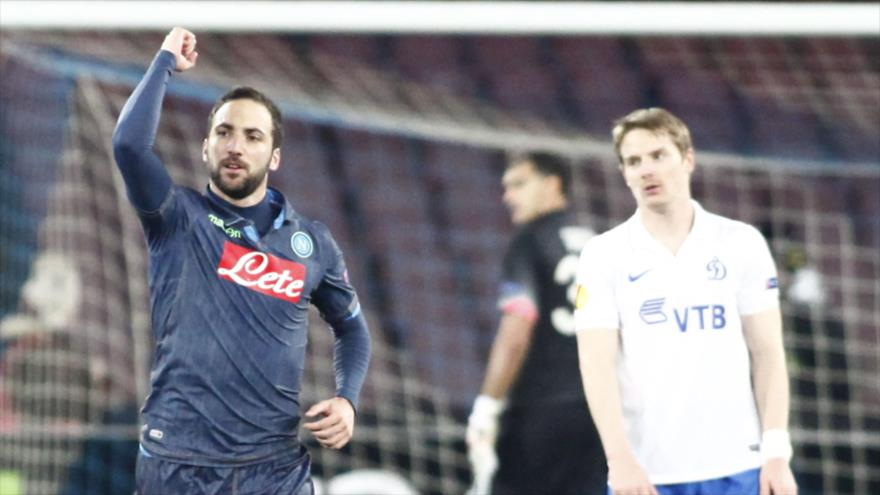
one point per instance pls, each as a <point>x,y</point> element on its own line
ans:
<point>530,430</point>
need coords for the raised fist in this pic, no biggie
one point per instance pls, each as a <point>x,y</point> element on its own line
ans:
<point>182,44</point>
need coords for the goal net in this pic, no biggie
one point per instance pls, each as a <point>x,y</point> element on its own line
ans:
<point>407,178</point>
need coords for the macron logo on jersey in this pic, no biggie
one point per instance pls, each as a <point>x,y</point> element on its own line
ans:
<point>262,272</point>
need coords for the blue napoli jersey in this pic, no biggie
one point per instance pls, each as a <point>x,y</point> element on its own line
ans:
<point>230,320</point>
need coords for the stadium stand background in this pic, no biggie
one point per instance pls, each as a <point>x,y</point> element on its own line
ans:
<point>397,143</point>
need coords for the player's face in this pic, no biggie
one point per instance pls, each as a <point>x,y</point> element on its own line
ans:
<point>526,192</point>
<point>654,168</point>
<point>239,149</point>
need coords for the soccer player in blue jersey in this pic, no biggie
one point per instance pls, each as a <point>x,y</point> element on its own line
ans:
<point>233,270</point>
<point>680,334</point>
<point>531,398</point>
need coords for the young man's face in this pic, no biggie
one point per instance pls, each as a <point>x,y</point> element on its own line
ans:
<point>239,149</point>
<point>527,193</point>
<point>654,168</point>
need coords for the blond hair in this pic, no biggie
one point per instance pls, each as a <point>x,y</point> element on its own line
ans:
<point>654,119</point>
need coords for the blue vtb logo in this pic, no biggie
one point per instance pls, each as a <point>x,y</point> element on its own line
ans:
<point>651,311</point>
<point>697,317</point>
<point>705,316</point>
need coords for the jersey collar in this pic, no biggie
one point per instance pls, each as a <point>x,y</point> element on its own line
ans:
<point>285,216</point>
<point>641,238</point>
<point>285,210</point>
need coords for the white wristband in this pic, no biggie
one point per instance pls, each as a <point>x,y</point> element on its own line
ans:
<point>775,444</point>
<point>487,406</point>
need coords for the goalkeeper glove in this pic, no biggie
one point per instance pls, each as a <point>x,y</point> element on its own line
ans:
<point>482,431</point>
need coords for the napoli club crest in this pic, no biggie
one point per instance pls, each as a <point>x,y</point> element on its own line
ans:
<point>302,244</point>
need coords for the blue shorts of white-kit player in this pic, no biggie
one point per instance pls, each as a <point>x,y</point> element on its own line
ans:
<point>744,483</point>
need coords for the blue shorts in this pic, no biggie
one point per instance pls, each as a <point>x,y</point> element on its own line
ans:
<point>285,476</point>
<point>744,483</point>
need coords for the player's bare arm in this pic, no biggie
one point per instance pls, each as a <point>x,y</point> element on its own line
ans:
<point>335,424</point>
<point>763,332</point>
<point>508,352</point>
<point>597,351</point>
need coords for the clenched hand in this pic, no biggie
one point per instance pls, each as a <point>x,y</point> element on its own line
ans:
<point>334,425</point>
<point>182,44</point>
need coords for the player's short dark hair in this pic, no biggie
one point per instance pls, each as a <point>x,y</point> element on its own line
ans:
<point>249,93</point>
<point>654,119</point>
<point>547,163</point>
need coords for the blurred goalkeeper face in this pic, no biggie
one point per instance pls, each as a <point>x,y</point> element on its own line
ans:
<point>655,169</point>
<point>528,193</point>
<point>239,151</point>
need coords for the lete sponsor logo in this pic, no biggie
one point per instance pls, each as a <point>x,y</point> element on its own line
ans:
<point>262,272</point>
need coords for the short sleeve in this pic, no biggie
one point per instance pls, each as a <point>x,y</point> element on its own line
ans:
<point>595,304</point>
<point>759,287</point>
<point>518,293</point>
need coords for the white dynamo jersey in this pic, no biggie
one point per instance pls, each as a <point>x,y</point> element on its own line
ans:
<point>684,371</point>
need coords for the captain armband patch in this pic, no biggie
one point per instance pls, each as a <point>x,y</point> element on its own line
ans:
<point>521,306</point>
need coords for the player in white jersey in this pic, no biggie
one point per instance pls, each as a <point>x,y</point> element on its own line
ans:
<point>680,334</point>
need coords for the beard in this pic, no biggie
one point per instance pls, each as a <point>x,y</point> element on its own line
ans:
<point>240,187</point>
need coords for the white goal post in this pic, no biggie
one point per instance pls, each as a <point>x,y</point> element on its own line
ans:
<point>480,17</point>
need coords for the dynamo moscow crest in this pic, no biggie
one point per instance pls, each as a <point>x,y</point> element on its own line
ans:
<point>301,244</point>
<point>716,269</point>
